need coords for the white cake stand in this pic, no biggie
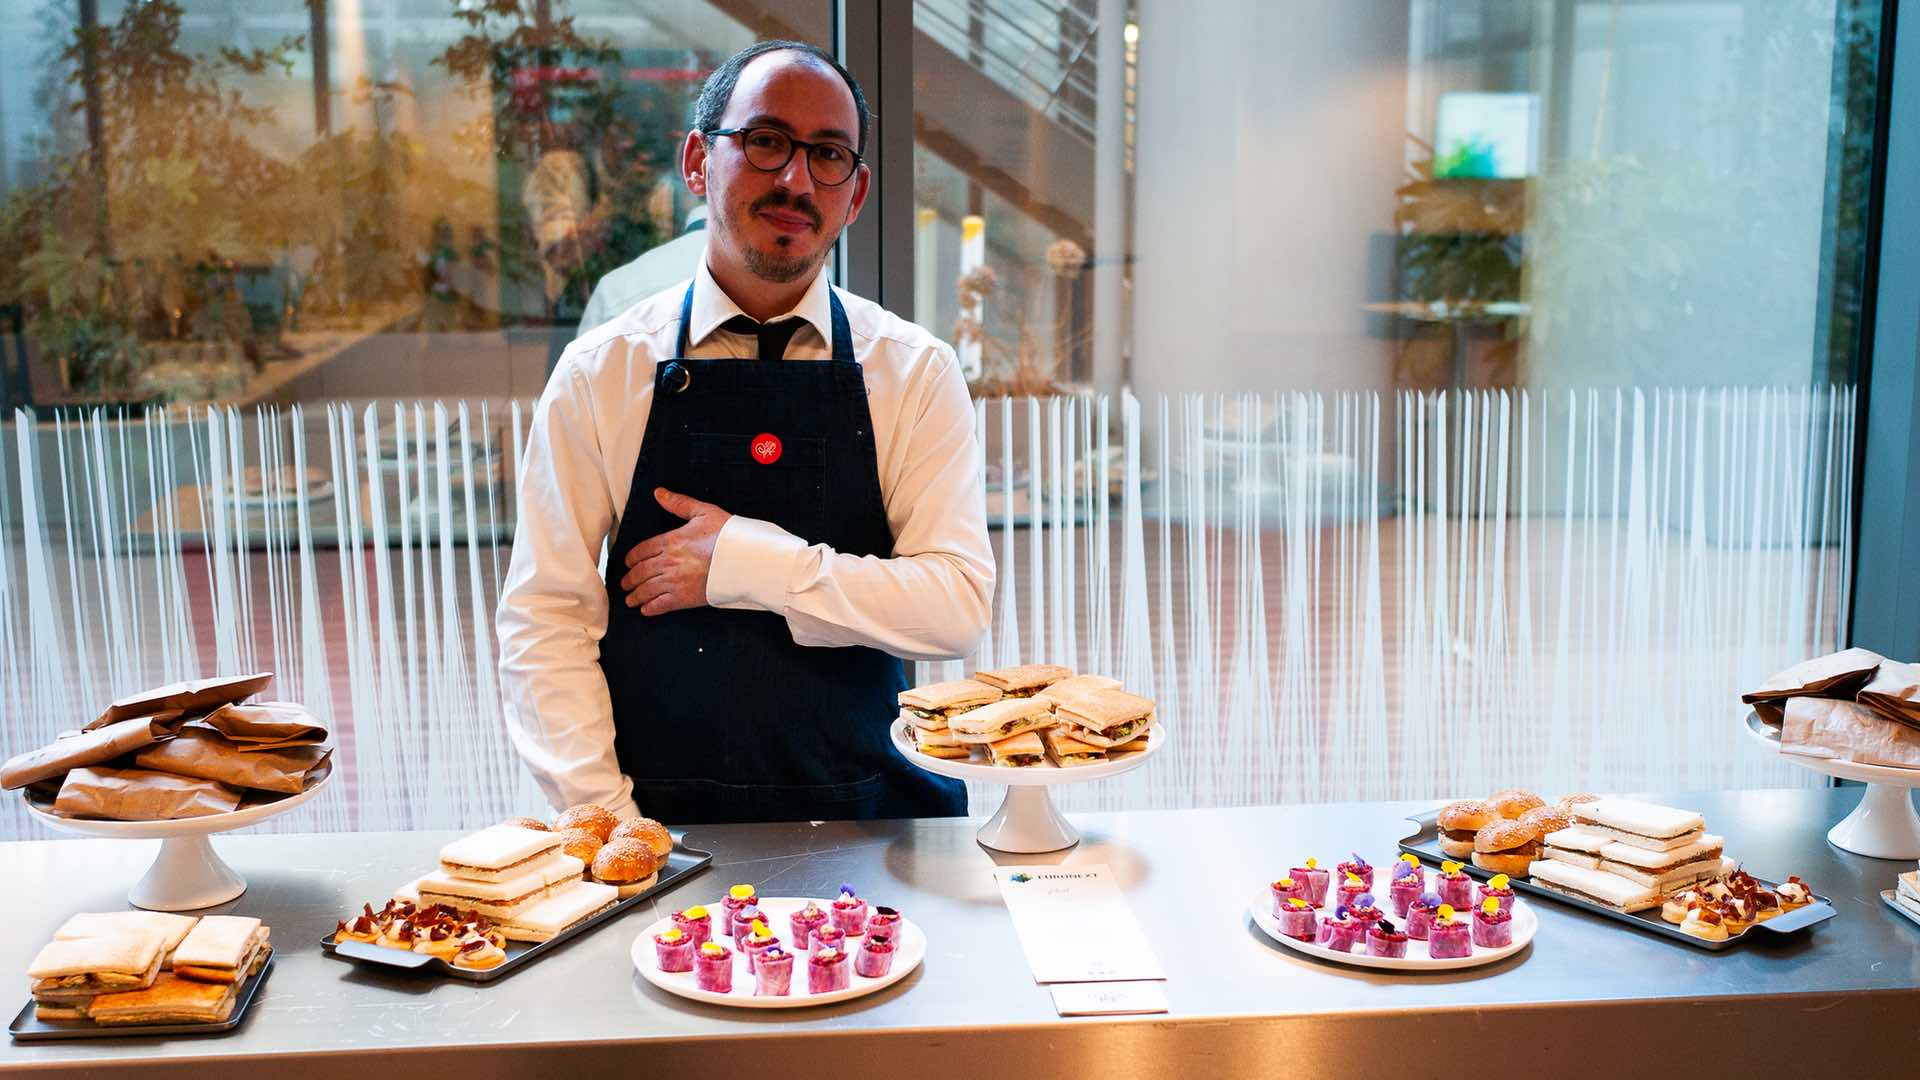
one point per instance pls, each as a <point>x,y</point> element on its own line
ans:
<point>1027,821</point>
<point>187,874</point>
<point>1884,825</point>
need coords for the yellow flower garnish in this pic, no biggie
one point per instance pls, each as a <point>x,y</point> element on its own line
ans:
<point>1491,905</point>
<point>1450,867</point>
<point>1298,903</point>
<point>760,930</point>
<point>672,937</point>
<point>696,912</point>
<point>713,949</point>
<point>1285,883</point>
<point>741,892</point>
<point>1499,881</point>
<point>1410,857</point>
<point>1445,914</point>
<point>1354,879</point>
<point>1312,862</point>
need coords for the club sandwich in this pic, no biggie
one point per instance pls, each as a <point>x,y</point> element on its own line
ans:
<point>1025,680</point>
<point>1106,717</point>
<point>1023,751</point>
<point>1001,720</point>
<point>932,707</point>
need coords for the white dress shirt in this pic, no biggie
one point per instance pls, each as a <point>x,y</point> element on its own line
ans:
<point>930,601</point>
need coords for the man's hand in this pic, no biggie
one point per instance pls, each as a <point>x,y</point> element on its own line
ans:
<point>669,572</point>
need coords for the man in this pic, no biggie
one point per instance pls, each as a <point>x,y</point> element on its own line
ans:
<point>787,475</point>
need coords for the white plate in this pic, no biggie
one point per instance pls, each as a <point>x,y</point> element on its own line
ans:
<point>1525,922</point>
<point>1035,776</point>
<point>910,947</point>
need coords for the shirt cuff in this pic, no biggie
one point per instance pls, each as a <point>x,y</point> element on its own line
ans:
<point>753,564</point>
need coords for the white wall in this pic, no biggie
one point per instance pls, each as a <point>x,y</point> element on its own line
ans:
<point>1270,138</point>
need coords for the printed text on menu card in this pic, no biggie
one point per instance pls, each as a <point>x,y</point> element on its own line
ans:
<point>1052,909</point>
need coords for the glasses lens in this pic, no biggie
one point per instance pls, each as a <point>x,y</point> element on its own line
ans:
<point>830,163</point>
<point>767,149</point>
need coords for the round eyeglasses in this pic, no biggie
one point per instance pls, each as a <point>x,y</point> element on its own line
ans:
<point>769,149</point>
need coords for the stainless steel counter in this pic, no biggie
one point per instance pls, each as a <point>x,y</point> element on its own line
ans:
<point>1589,997</point>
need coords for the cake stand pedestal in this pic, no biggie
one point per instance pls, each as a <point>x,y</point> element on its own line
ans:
<point>1884,825</point>
<point>187,874</point>
<point>1027,822</point>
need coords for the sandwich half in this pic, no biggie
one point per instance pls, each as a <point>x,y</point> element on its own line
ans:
<point>1106,717</point>
<point>1025,680</point>
<point>170,1000</point>
<point>1001,720</point>
<point>1022,751</point>
<point>940,744</point>
<point>1068,752</point>
<point>1076,686</point>
<point>931,707</point>
<point>77,969</point>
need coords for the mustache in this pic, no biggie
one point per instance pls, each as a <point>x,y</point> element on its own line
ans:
<point>780,200</point>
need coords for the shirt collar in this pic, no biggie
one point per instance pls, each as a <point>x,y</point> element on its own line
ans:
<point>712,306</point>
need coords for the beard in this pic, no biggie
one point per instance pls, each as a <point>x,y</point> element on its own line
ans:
<point>777,267</point>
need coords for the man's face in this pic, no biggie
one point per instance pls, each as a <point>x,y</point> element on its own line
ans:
<point>778,226</point>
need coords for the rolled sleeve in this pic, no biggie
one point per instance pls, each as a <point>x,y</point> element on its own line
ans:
<point>754,565</point>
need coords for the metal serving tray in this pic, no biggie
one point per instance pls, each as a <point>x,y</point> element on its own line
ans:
<point>27,1027</point>
<point>1425,842</point>
<point>680,863</point>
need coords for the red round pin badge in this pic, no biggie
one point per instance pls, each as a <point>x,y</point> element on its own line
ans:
<point>766,448</point>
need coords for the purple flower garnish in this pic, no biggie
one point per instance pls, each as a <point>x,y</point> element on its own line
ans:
<point>1431,900</point>
<point>1363,901</point>
<point>1402,869</point>
<point>1386,926</point>
<point>847,890</point>
<point>1340,911</point>
<point>1358,861</point>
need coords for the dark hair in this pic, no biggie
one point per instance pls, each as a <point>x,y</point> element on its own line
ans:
<point>717,91</point>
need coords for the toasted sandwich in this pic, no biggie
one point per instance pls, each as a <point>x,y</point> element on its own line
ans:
<point>1068,752</point>
<point>75,970</point>
<point>931,707</point>
<point>1025,680</point>
<point>1001,720</point>
<point>1140,744</point>
<point>170,1000</point>
<point>1023,751</point>
<point>1075,686</point>
<point>1106,717</point>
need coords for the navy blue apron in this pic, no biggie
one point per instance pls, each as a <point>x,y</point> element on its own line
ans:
<point>719,716</point>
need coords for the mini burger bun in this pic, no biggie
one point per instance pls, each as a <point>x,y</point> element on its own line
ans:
<point>1510,865</point>
<point>592,817</point>
<point>1513,802</point>
<point>1456,849</point>
<point>1467,814</point>
<point>1547,819</point>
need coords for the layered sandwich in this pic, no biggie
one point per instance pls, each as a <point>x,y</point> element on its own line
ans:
<point>940,744</point>
<point>503,898</point>
<point>1068,752</point>
<point>933,707</point>
<point>1105,717</point>
<point>169,928</point>
<point>222,949</point>
<point>565,905</point>
<point>1077,686</point>
<point>1025,680</point>
<point>1022,751</point>
<point>498,852</point>
<point>68,974</point>
<point>170,1000</point>
<point>1574,846</point>
<point>1593,886</point>
<point>1001,720</point>
<point>1660,847</point>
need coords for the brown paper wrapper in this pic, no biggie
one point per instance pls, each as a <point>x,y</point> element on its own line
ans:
<point>1845,731</point>
<point>1836,675</point>
<point>140,795</point>
<point>1894,693</point>
<point>204,753</point>
<point>194,697</point>
<point>73,750</point>
<point>267,725</point>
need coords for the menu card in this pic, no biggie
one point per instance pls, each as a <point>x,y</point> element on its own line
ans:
<point>1075,925</point>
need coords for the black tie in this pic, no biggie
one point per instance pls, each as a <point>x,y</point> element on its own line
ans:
<point>773,336</point>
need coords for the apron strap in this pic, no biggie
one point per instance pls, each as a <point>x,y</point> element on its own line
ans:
<point>842,332</point>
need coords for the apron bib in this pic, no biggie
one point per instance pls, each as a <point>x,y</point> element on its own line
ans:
<point>719,716</point>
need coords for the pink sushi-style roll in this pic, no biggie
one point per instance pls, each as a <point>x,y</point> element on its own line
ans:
<point>1448,937</point>
<point>773,973</point>
<point>1356,866</point>
<point>827,937</point>
<point>674,949</point>
<point>1286,889</point>
<point>1384,940</point>
<point>756,941</point>
<point>1420,915</point>
<point>696,923</point>
<point>884,920</point>
<point>827,971</point>
<point>1298,919</point>
<point>737,897</point>
<point>1349,889</point>
<point>805,921</point>
<point>740,923</point>
<point>1318,881</point>
<point>713,968</point>
<point>1499,890</point>
<point>850,912</point>
<point>1409,881</point>
<point>1492,925</point>
<point>1341,934</point>
<point>1456,887</point>
<point>1364,911</point>
<point>876,955</point>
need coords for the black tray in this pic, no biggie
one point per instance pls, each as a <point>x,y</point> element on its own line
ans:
<point>681,862</point>
<point>1424,842</point>
<point>27,1027</point>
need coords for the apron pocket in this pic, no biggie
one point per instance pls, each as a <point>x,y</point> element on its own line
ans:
<point>791,492</point>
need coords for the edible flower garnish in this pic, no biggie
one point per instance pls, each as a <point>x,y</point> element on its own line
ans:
<point>1411,860</point>
<point>713,949</point>
<point>1363,901</point>
<point>696,912</point>
<point>1358,861</point>
<point>1401,869</point>
<point>741,892</point>
<point>1450,868</point>
<point>760,931</point>
<point>1284,883</point>
<point>1499,881</point>
<point>1297,904</point>
<point>1431,900</point>
<point>1354,879</point>
<point>848,892</point>
<point>672,936</point>
<point>1491,905</point>
<point>1445,914</point>
<point>1312,862</point>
